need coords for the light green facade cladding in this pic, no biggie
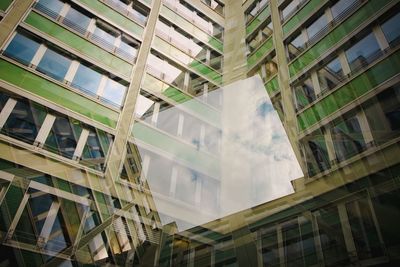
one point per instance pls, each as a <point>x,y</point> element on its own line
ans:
<point>261,52</point>
<point>357,87</point>
<point>257,21</point>
<point>307,10</point>
<point>336,35</point>
<point>272,86</point>
<point>191,28</point>
<point>79,44</point>
<point>4,4</point>
<point>114,16</point>
<point>57,94</point>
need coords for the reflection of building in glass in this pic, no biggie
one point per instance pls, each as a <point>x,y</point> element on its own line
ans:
<point>111,114</point>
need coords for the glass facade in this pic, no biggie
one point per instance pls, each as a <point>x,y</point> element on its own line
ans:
<point>199,133</point>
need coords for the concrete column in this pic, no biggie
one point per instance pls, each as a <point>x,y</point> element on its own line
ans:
<point>290,118</point>
<point>126,120</point>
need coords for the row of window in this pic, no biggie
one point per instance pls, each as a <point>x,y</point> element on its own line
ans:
<point>131,9</point>
<point>360,52</point>
<point>215,5</point>
<point>377,122</point>
<point>254,41</point>
<point>90,27</point>
<point>187,43</point>
<point>311,32</point>
<point>179,182</point>
<point>255,9</point>
<point>64,67</point>
<point>178,123</point>
<point>35,124</point>
<point>197,18</point>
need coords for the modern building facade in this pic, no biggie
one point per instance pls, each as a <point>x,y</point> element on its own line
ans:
<point>110,107</point>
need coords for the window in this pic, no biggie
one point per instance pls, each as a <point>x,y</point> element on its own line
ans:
<point>50,7</point>
<point>363,52</point>
<point>270,250</point>
<point>127,48</point>
<point>341,6</point>
<point>330,75</point>
<point>391,29</point>
<point>289,9</point>
<point>22,49</point>
<point>3,100</point>
<point>86,79</point>
<point>63,136</point>
<point>24,121</point>
<point>77,20</point>
<point>104,35</point>
<point>331,236</point>
<point>316,153</point>
<point>296,46</point>
<point>114,92</point>
<point>96,148</point>
<point>54,64</point>
<point>347,139</point>
<point>317,26</point>
<point>304,92</point>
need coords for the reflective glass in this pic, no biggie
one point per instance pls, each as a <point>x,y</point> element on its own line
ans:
<point>24,121</point>
<point>22,48</point>
<point>331,75</point>
<point>54,64</point>
<point>77,20</point>
<point>391,28</point>
<point>341,6</point>
<point>50,7</point>
<point>317,26</point>
<point>348,138</point>
<point>363,52</point>
<point>63,137</point>
<point>114,92</point>
<point>86,79</point>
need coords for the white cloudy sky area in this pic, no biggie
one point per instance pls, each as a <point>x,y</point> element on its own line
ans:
<point>256,162</point>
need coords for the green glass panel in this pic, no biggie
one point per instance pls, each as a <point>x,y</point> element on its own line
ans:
<point>359,86</point>
<point>261,52</point>
<point>336,35</point>
<point>10,205</point>
<point>4,4</point>
<point>114,16</point>
<point>57,94</point>
<point>272,86</point>
<point>102,204</point>
<point>307,10</point>
<point>258,20</point>
<point>79,43</point>
<point>205,162</point>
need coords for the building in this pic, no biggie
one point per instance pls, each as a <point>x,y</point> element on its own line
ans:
<point>108,106</point>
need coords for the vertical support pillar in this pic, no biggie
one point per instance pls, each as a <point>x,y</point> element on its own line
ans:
<point>290,118</point>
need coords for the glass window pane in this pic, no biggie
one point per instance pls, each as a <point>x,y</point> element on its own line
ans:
<point>391,28</point>
<point>22,49</point>
<point>363,52</point>
<point>3,100</point>
<point>348,139</point>
<point>317,26</point>
<point>330,75</point>
<point>103,37</point>
<point>54,64</point>
<point>86,80</point>
<point>114,92</point>
<point>62,138</point>
<point>341,6</point>
<point>289,9</point>
<point>24,121</point>
<point>50,7</point>
<point>76,20</point>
